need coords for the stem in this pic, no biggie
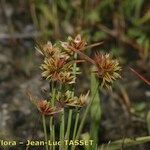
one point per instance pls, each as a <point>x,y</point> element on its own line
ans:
<point>53,136</point>
<point>85,114</point>
<point>51,129</point>
<point>76,125</point>
<point>62,131</point>
<point>53,94</point>
<point>126,142</point>
<point>68,127</point>
<point>45,132</point>
<point>70,111</point>
<point>75,128</point>
<point>60,134</point>
<point>51,124</point>
<point>95,108</point>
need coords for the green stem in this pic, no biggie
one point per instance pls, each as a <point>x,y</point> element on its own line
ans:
<point>62,131</point>
<point>68,126</point>
<point>60,134</point>
<point>45,132</point>
<point>70,111</point>
<point>76,125</point>
<point>125,143</point>
<point>51,129</point>
<point>75,128</point>
<point>53,136</point>
<point>51,123</point>
<point>85,114</point>
<point>53,94</point>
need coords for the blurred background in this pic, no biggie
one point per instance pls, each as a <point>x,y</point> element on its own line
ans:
<point>124,28</point>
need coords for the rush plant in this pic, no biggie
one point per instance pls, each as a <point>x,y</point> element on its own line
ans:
<point>60,68</point>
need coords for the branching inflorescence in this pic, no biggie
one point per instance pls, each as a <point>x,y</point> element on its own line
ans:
<point>60,69</point>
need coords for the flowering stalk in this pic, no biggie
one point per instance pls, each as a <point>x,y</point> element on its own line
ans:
<point>53,135</point>
<point>95,107</point>
<point>62,130</point>
<point>67,136</point>
<point>76,124</point>
<point>45,132</point>
<point>51,123</point>
<point>62,124</point>
<point>85,116</point>
<point>51,129</point>
<point>86,113</point>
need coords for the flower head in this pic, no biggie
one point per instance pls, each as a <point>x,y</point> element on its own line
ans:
<point>58,69</point>
<point>73,101</point>
<point>107,68</point>
<point>80,101</point>
<point>44,107</point>
<point>47,50</point>
<point>77,43</point>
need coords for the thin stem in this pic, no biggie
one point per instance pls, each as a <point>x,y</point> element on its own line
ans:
<point>76,124</point>
<point>84,116</point>
<point>69,125</point>
<point>75,128</point>
<point>45,132</point>
<point>71,111</point>
<point>51,129</point>
<point>127,142</point>
<point>51,123</point>
<point>86,113</point>
<point>53,136</point>
<point>53,94</point>
<point>140,76</point>
<point>62,131</point>
<point>87,58</point>
<point>60,134</point>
